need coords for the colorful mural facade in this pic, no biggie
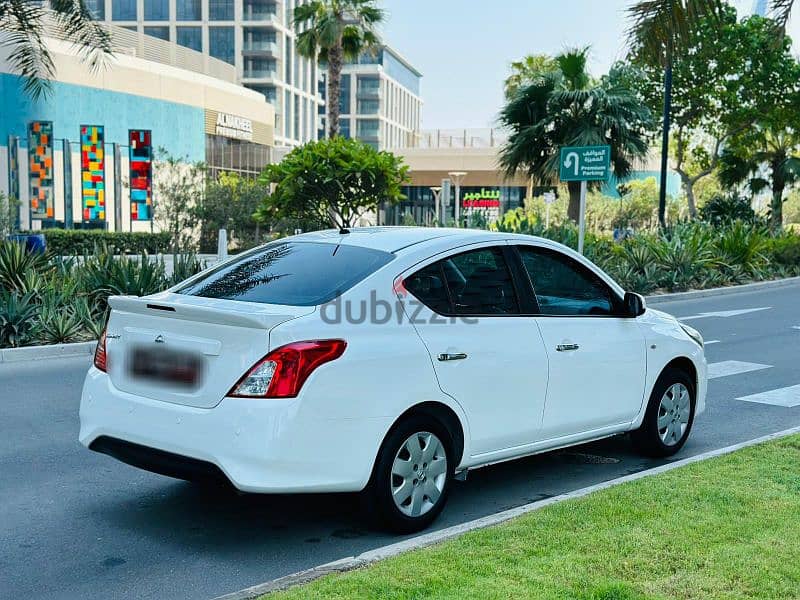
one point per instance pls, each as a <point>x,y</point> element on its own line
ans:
<point>40,169</point>
<point>141,170</point>
<point>93,173</point>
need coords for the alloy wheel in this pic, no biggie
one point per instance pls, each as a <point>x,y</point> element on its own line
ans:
<point>419,474</point>
<point>673,414</point>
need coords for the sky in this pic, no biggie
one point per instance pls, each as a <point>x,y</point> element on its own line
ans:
<point>463,47</point>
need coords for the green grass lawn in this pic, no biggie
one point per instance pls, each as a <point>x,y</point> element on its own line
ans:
<point>723,528</point>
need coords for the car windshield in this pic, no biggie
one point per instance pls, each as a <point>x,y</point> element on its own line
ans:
<point>291,273</point>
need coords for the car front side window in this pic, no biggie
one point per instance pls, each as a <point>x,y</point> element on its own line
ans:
<point>563,287</point>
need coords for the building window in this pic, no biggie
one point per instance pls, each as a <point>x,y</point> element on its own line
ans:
<point>287,59</point>
<point>296,131</point>
<point>161,33</point>
<point>97,8</point>
<point>268,91</point>
<point>368,129</point>
<point>190,37</point>
<point>259,68</point>
<point>344,128</point>
<point>220,10</point>
<point>221,43</point>
<point>156,10</point>
<point>189,10</point>
<point>287,107</point>
<point>123,10</point>
<point>368,107</point>
<point>344,98</point>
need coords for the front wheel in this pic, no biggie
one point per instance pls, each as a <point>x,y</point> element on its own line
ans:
<point>669,416</point>
<point>411,480</point>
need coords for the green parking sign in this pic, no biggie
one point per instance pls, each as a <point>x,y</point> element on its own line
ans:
<point>585,163</point>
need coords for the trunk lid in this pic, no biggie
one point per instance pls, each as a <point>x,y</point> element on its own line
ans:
<point>187,349</point>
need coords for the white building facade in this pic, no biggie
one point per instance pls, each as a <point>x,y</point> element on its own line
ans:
<point>380,100</point>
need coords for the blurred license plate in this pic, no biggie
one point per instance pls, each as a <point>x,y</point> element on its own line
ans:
<point>169,366</point>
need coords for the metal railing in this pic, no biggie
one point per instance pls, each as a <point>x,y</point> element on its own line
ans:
<point>458,138</point>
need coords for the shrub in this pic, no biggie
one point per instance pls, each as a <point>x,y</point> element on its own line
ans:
<point>784,250</point>
<point>725,209</point>
<point>77,242</point>
<point>16,263</point>
<point>17,318</point>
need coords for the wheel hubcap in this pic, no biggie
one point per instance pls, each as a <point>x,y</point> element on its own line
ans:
<point>673,414</point>
<point>419,474</point>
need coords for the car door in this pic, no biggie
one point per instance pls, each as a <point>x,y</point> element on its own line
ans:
<point>596,355</point>
<point>487,356</point>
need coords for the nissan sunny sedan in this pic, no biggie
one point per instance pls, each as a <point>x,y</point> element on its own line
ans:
<point>387,361</point>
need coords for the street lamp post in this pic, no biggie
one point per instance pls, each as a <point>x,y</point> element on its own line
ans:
<point>457,177</point>
<point>437,191</point>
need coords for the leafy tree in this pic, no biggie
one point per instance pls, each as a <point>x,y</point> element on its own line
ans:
<point>9,207</point>
<point>764,151</point>
<point>704,107</point>
<point>178,186</point>
<point>661,30</point>
<point>330,31</point>
<point>330,181</point>
<point>526,70</point>
<point>564,108</point>
<point>23,24</point>
<point>229,203</point>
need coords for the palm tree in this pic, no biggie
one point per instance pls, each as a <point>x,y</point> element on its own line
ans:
<point>566,107</point>
<point>744,161</point>
<point>331,31</point>
<point>23,26</point>
<point>659,28</point>
<point>526,70</point>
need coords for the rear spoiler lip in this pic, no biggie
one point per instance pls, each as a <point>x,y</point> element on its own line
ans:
<point>250,315</point>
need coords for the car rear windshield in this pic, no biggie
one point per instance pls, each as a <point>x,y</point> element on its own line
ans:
<point>292,273</point>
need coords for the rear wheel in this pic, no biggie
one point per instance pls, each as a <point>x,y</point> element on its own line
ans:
<point>669,417</point>
<point>411,479</point>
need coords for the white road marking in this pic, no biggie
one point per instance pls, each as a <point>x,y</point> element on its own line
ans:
<point>434,537</point>
<point>709,342</point>
<point>733,367</point>
<point>724,313</point>
<point>787,396</point>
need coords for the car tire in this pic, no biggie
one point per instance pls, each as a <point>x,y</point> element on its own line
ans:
<point>669,417</point>
<point>410,484</point>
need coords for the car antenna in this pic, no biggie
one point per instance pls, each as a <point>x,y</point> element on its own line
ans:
<point>343,230</point>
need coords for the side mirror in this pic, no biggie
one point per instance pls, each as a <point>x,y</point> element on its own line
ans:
<point>634,304</point>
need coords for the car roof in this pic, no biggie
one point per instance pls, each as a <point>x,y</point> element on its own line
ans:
<point>395,238</point>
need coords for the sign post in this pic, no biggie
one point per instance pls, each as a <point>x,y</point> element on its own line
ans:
<point>549,198</point>
<point>584,164</point>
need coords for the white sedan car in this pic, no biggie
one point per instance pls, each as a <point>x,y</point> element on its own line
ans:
<point>386,360</point>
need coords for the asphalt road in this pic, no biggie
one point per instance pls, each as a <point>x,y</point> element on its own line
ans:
<point>75,524</point>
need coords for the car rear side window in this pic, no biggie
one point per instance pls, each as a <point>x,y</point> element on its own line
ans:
<point>290,273</point>
<point>475,283</point>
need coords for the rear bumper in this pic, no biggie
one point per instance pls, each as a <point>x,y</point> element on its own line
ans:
<point>268,446</point>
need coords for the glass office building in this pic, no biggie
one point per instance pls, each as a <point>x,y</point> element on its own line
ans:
<point>256,36</point>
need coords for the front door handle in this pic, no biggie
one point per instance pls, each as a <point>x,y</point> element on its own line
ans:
<point>567,347</point>
<point>445,356</point>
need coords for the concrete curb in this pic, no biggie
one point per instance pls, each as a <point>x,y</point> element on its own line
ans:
<point>436,537</point>
<point>722,291</point>
<point>50,351</point>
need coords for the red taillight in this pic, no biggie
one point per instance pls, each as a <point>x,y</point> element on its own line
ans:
<point>100,360</point>
<point>282,372</point>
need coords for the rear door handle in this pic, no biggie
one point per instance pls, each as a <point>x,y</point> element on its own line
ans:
<point>445,356</point>
<point>567,347</point>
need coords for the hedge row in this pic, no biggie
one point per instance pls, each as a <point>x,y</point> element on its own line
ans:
<point>76,242</point>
